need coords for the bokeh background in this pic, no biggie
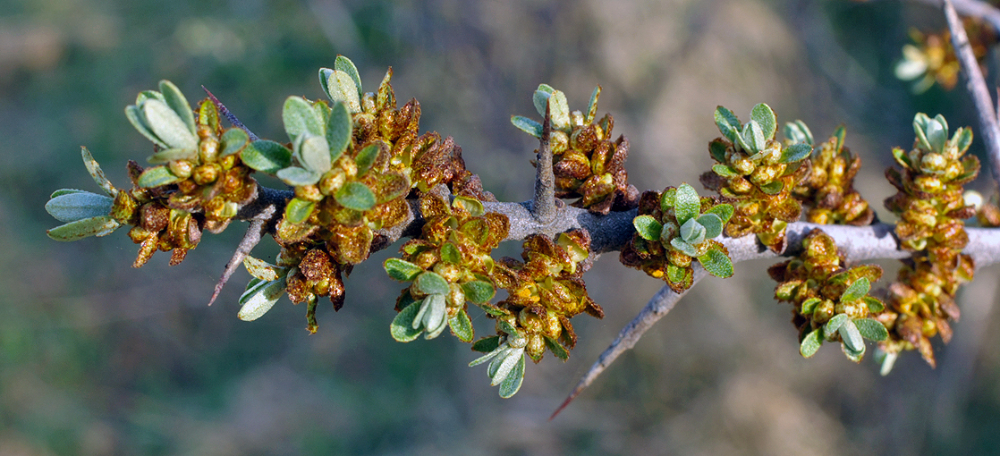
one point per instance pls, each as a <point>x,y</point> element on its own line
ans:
<point>97,358</point>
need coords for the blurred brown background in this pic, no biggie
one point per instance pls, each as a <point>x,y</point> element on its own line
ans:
<point>97,358</point>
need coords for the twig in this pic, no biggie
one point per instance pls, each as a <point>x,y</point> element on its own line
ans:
<point>253,236</point>
<point>972,8</point>
<point>229,116</point>
<point>543,205</point>
<point>977,88</point>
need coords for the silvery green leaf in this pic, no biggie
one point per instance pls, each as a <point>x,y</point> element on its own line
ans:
<point>338,130</point>
<point>167,155</point>
<point>515,378</point>
<point>684,247</point>
<point>436,318</point>
<point>478,291</point>
<point>418,319</point>
<point>592,106</point>
<point>401,328</point>
<point>556,348</point>
<point>494,366</point>
<point>176,101</point>
<point>937,135</point>
<point>341,88</point>
<point>798,132</point>
<point>492,354</point>
<point>559,111</point>
<point>324,77</point>
<point>886,360</point>
<point>811,343</point>
<point>920,125</point>
<point>941,121</point>
<point>347,66</point>
<point>962,139</point>
<point>97,173</point>
<point>753,137</point>
<point>266,156</point>
<point>355,195</point>
<point>795,152</point>
<point>401,270</point>
<point>856,291</point>
<point>724,170</point>
<point>835,323</point>
<point>314,152</point>
<point>366,158</point>
<point>687,205</point>
<point>147,95</point>
<point>852,337</point>
<point>717,263</point>
<point>729,125</point>
<point>507,366</point>
<point>765,118</point>
<point>71,207</point>
<point>298,210</point>
<point>693,232</point>
<point>486,344</point>
<point>541,98</point>
<point>724,211</point>
<point>712,224</point>
<point>647,227</point>
<point>874,305</point>
<point>66,191</point>
<point>871,329</point>
<point>300,118</point>
<point>233,141</point>
<point>135,117</point>
<point>157,177</point>
<point>168,126</point>
<point>94,226</point>
<point>298,177</point>
<point>461,326</point>
<point>506,327</point>
<point>258,300</point>
<point>431,283</point>
<point>262,269</point>
<point>527,125</point>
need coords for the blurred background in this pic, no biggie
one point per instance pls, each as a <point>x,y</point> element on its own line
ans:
<point>97,358</point>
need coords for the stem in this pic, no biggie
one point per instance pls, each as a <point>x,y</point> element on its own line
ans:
<point>543,205</point>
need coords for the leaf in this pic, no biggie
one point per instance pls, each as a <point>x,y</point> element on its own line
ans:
<point>489,308</point>
<point>687,205</point>
<point>728,124</point>
<point>176,101</point>
<point>871,329</point>
<point>676,274</point>
<point>266,156</point>
<point>835,323</point>
<point>717,263</point>
<point>937,134</point>
<point>556,348</point>
<point>341,88</point>
<point>401,327</point>
<point>262,269</point>
<point>852,337</point>
<point>300,118</point>
<point>856,291</point>
<point>338,130</point>
<point>168,155</point>
<point>962,139</point>
<point>298,210</point>
<point>512,383</point>
<point>401,270</point>
<point>70,207</point>
<point>461,326</point>
<point>540,98</point>
<point>486,344</point>
<point>592,106</point>
<point>717,148</point>
<point>156,177</point>
<point>724,211</point>
<point>366,158</point>
<point>684,247</point>
<point>135,117</point>
<point>753,137</point>
<point>798,132</point>
<point>472,206</point>
<point>298,177</point>
<point>647,227</point>
<point>478,291</point>
<point>66,191</point>
<point>314,153</point>
<point>506,366</point>
<point>355,195</point>
<point>811,343</point>
<point>901,157</point>
<point>713,225</point>
<point>324,77</point>
<point>168,126</point>
<point>693,232</point>
<point>559,111</point>
<point>809,305</point>
<point>436,318</point>
<point>506,327</point>
<point>431,283</point>
<point>724,170</point>
<point>773,187</point>
<point>840,133</point>
<point>97,173</point>
<point>347,66</point>
<point>258,299</point>
<point>874,305</point>
<point>795,152</point>
<point>491,354</point>
<point>766,119</point>
<point>450,253</point>
<point>920,124</point>
<point>79,229</point>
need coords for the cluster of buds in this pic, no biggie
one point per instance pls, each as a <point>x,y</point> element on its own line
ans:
<point>545,290</point>
<point>931,58</point>
<point>931,208</point>
<point>757,174</point>
<point>673,229</point>
<point>829,301</point>
<point>587,163</point>
<point>828,192</point>
<point>448,266</point>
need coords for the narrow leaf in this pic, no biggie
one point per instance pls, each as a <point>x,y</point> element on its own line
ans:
<point>728,124</point>
<point>513,381</point>
<point>559,111</point>
<point>798,132</point>
<point>724,170</point>
<point>401,327</point>
<point>795,152</point>
<point>176,101</point>
<point>70,207</point>
<point>157,176</point>
<point>97,173</point>
<point>874,305</point>
<point>168,126</point>
<point>835,323</point>
<point>852,337</point>
<point>856,291</point>
<point>168,155</point>
<point>298,177</point>
<point>261,300</point>
<point>347,66</point>
<point>401,270</point>
<point>811,343</point>
<point>461,326</point>
<point>540,98</point>
<point>262,269</point>
<point>94,226</point>
<point>338,130</point>
<point>592,106</point>
<point>366,158</point>
<point>556,348</point>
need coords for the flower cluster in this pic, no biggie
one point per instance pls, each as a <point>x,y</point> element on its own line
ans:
<point>828,192</point>
<point>931,58</point>
<point>931,209</point>
<point>829,301</point>
<point>673,229</point>
<point>757,173</point>
<point>587,164</point>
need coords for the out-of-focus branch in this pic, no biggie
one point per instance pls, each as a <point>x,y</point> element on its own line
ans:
<point>976,86</point>
<point>971,8</point>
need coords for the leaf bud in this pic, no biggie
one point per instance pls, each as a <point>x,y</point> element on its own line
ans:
<point>450,271</point>
<point>740,185</point>
<point>308,193</point>
<point>332,181</point>
<point>559,142</point>
<point>928,184</point>
<point>206,174</point>
<point>933,163</point>
<point>823,312</point>
<point>743,165</point>
<point>208,150</point>
<point>181,168</point>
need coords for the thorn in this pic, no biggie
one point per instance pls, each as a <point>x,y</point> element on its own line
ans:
<point>229,116</point>
<point>253,235</point>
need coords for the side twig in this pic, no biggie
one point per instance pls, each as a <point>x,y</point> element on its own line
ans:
<point>543,204</point>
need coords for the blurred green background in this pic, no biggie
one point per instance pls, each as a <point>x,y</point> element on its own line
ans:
<point>97,358</point>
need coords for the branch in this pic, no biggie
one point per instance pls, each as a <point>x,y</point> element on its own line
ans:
<point>972,8</point>
<point>543,205</point>
<point>976,87</point>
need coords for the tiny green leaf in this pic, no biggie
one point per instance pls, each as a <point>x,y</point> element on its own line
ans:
<point>233,141</point>
<point>872,329</point>
<point>262,269</point>
<point>795,152</point>
<point>324,78</point>
<point>338,130</point>
<point>840,133</point>
<point>366,158</point>
<point>809,305</point>
<point>314,153</point>
<point>962,139</point>
<point>717,148</point>
<point>765,117</point>
<point>97,173</point>
<point>300,118</point>
<point>712,223</point>
<point>176,101</point>
<point>874,305</point>
<point>431,283</point>
<point>157,176</point>
<point>461,326</point>
<point>168,126</point>
<point>401,327</point>
<point>676,274</point>
<point>811,343</point>
<point>835,323</point>
<point>728,124</point>
<point>717,263</point>
<point>478,291</point>
<point>773,187</point>
<point>488,308</point>
<point>506,327</point>
<point>540,98</point>
<point>79,229</point>
<point>937,134</point>
<point>724,211</point>
<point>852,337</point>
<point>901,157</point>
<point>486,344</point>
<point>70,207</point>
<point>687,205</point>
<point>693,232</point>
<point>401,270</point>
<point>341,88</point>
<point>753,137</point>
<point>798,132</point>
<point>592,106</point>
<point>259,298</point>
<point>683,247</point>
<point>298,177</point>
<point>647,227</point>
<point>167,155</point>
<point>355,195</point>
<point>347,66</point>
<point>298,210</point>
<point>556,348</point>
<point>513,380</point>
<point>667,199</point>
<point>856,291</point>
<point>920,124</point>
<point>724,170</point>
<point>450,253</point>
<point>472,206</point>
<point>506,366</point>
<point>135,117</point>
<point>559,110</point>
<point>266,156</point>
